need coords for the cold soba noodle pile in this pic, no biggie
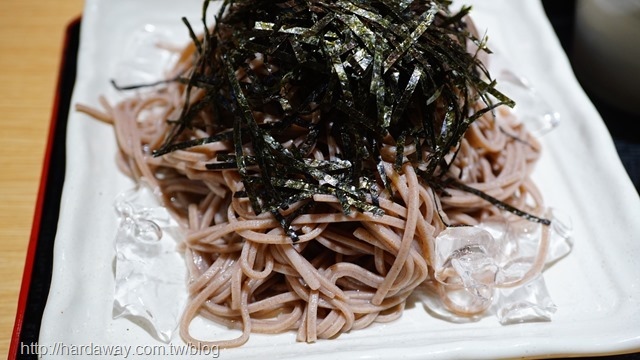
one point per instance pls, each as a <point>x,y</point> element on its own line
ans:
<point>315,150</point>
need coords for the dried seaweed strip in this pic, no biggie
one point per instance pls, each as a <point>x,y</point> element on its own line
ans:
<point>245,116</point>
<point>400,142</point>
<point>373,70</point>
<point>377,88</point>
<point>313,35</point>
<point>412,84</point>
<point>497,203</point>
<point>362,31</point>
<point>332,49</point>
<point>193,35</point>
<point>425,21</point>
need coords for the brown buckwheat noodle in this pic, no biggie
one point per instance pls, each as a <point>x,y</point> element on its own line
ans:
<point>346,271</point>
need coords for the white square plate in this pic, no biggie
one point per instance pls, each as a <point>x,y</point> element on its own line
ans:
<point>596,288</point>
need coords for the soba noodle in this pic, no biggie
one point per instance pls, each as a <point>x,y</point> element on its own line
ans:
<point>346,271</point>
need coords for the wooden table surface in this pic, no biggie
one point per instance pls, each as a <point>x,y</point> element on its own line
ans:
<point>31,40</point>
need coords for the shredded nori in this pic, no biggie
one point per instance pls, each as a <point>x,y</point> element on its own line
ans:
<point>376,71</point>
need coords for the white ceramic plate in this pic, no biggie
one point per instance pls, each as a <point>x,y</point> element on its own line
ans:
<point>596,288</point>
